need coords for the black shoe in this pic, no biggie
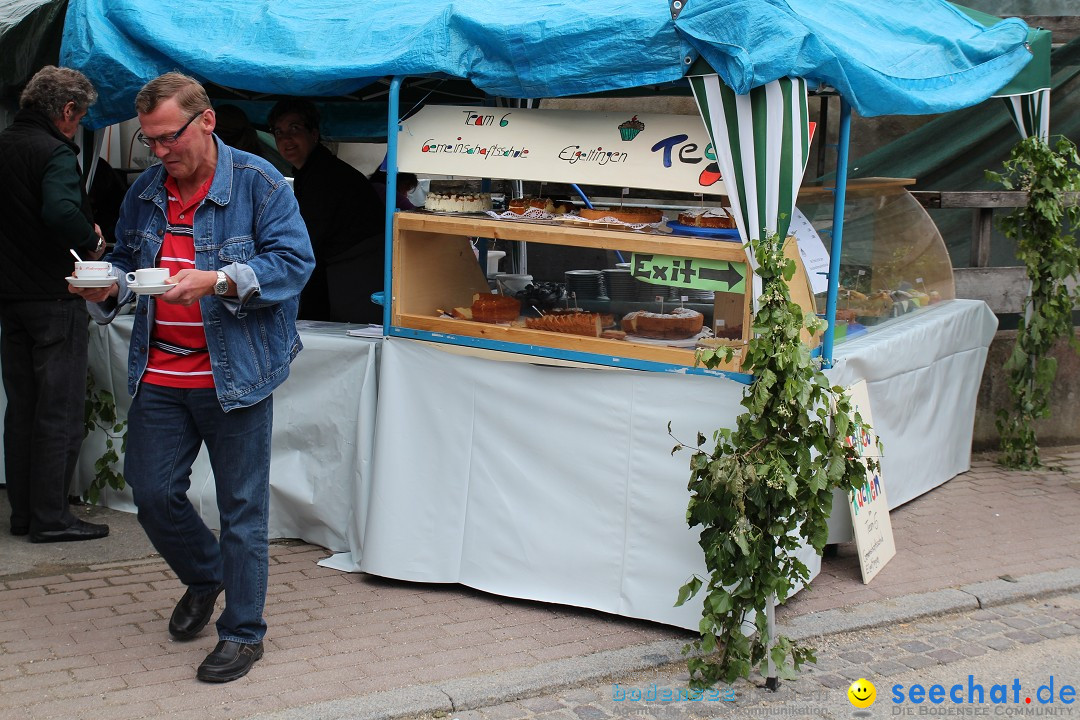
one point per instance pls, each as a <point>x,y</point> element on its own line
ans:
<point>79,530</point>
<point>192,613</point>
<point>229,661</point>
<point>20,530</point>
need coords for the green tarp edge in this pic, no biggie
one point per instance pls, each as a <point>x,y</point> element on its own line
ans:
<point>1036,74</point>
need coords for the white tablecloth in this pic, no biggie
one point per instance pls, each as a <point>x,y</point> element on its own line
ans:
<point>923,374</point>
<point>557,484</point>
<point>548,483</point>
<point>321,451</point>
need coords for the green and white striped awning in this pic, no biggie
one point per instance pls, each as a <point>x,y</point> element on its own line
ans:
<point>1026,96</point>
<point>762,143</point>
<point>1031,113</point>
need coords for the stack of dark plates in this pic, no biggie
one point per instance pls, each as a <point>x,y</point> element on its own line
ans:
<point>585,284</point>
<point>691,295</point>
<point>648,292</point>
<point>620,285</point>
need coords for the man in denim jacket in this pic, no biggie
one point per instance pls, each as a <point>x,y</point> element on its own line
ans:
<point>208,347</point>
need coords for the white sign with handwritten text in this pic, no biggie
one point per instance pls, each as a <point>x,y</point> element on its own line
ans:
<point>661,152</point>
<point>868,505</point>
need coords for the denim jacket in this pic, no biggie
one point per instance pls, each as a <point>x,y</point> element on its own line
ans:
<point>248,226</point>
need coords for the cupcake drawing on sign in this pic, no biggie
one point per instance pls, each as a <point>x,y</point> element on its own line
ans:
<point>631,128</point>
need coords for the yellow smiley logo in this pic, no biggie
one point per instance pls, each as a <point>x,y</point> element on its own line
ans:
<point>862,693</point>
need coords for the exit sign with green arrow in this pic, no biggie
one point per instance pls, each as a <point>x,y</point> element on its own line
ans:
<point>695,273</point>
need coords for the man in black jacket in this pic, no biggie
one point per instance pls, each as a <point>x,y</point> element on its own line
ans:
<point>44,214</point>
<point>344,216</point>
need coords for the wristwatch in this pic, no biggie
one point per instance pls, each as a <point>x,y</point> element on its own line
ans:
<point>222,285</point>
<point>100,245</point>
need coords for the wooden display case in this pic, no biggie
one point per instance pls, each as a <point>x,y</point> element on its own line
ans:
<point>434,270</point>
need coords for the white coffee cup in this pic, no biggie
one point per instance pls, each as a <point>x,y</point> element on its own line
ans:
<point>90,269</point>
<point>148,276</point>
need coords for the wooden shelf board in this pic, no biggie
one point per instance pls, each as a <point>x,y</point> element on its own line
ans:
<point>571,235</point>
<point>572,343</point>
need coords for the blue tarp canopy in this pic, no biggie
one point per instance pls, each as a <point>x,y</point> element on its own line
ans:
<point>883,56</point>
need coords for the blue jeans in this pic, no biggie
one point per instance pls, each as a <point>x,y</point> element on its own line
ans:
<point>166,427</point>
<point>43,351</point>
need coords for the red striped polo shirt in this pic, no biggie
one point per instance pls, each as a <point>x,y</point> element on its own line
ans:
<point>178,356</point>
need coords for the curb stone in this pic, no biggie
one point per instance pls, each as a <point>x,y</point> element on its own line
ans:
<point>1002,591</point>
<point>503,687</point>
<point>912,607</point>
<point>485,690</point>
<point>879,612</point>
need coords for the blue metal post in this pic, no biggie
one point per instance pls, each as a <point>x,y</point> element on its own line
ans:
<point>838,231</point>
<point>392,115</point>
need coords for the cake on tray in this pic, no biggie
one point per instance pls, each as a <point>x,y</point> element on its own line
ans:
<point>457,202</point>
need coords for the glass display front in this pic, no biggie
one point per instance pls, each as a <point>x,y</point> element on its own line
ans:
<point>893,261</point>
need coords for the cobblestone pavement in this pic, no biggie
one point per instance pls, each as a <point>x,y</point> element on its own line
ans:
<point>83,635</point>
<point>943,650</point>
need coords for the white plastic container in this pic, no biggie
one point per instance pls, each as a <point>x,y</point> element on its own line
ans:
<point>493,258</point>
<point>510,283</point>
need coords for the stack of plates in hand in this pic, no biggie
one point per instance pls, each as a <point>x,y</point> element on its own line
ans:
<point>620,284</point>
<point>585,284</point>
<point>675,293</point>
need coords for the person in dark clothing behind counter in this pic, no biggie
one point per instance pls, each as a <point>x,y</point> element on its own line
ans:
<point>344,217</point>
<point>106,193</point>
<point>235,129</point>
<point>43,335</point>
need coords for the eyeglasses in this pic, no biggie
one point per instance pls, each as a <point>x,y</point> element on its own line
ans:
<point>289,130</point>
<point>167,140</point>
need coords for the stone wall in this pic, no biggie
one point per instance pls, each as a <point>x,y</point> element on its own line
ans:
<point>1063,425</point>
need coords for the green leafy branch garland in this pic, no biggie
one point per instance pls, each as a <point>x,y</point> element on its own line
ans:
<point>767,486</point>
<point>100,414</point>
<point>1044,232</point>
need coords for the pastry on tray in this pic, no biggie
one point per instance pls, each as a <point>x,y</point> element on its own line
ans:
<point>520,206</point>
<point>628,215</point>
<point>581,323</point>
<point>680,323</point>
<point>607,320</point>
<point>488,308</point>
<point>707,218</point>
<point>457,202</point>
<point>845,315</point>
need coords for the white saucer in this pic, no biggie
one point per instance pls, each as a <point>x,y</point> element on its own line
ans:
<point>150,289</point>
<point>90,282</point>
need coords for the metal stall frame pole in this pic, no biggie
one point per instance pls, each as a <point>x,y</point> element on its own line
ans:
<point>772,681</point>
<point>839,200</point>
<point>482,243</point>
<point>392,127</point>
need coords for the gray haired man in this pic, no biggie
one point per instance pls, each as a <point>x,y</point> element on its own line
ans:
<point>43,336</point>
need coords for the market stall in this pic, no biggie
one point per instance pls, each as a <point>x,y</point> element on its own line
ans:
<point>559,478</point>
